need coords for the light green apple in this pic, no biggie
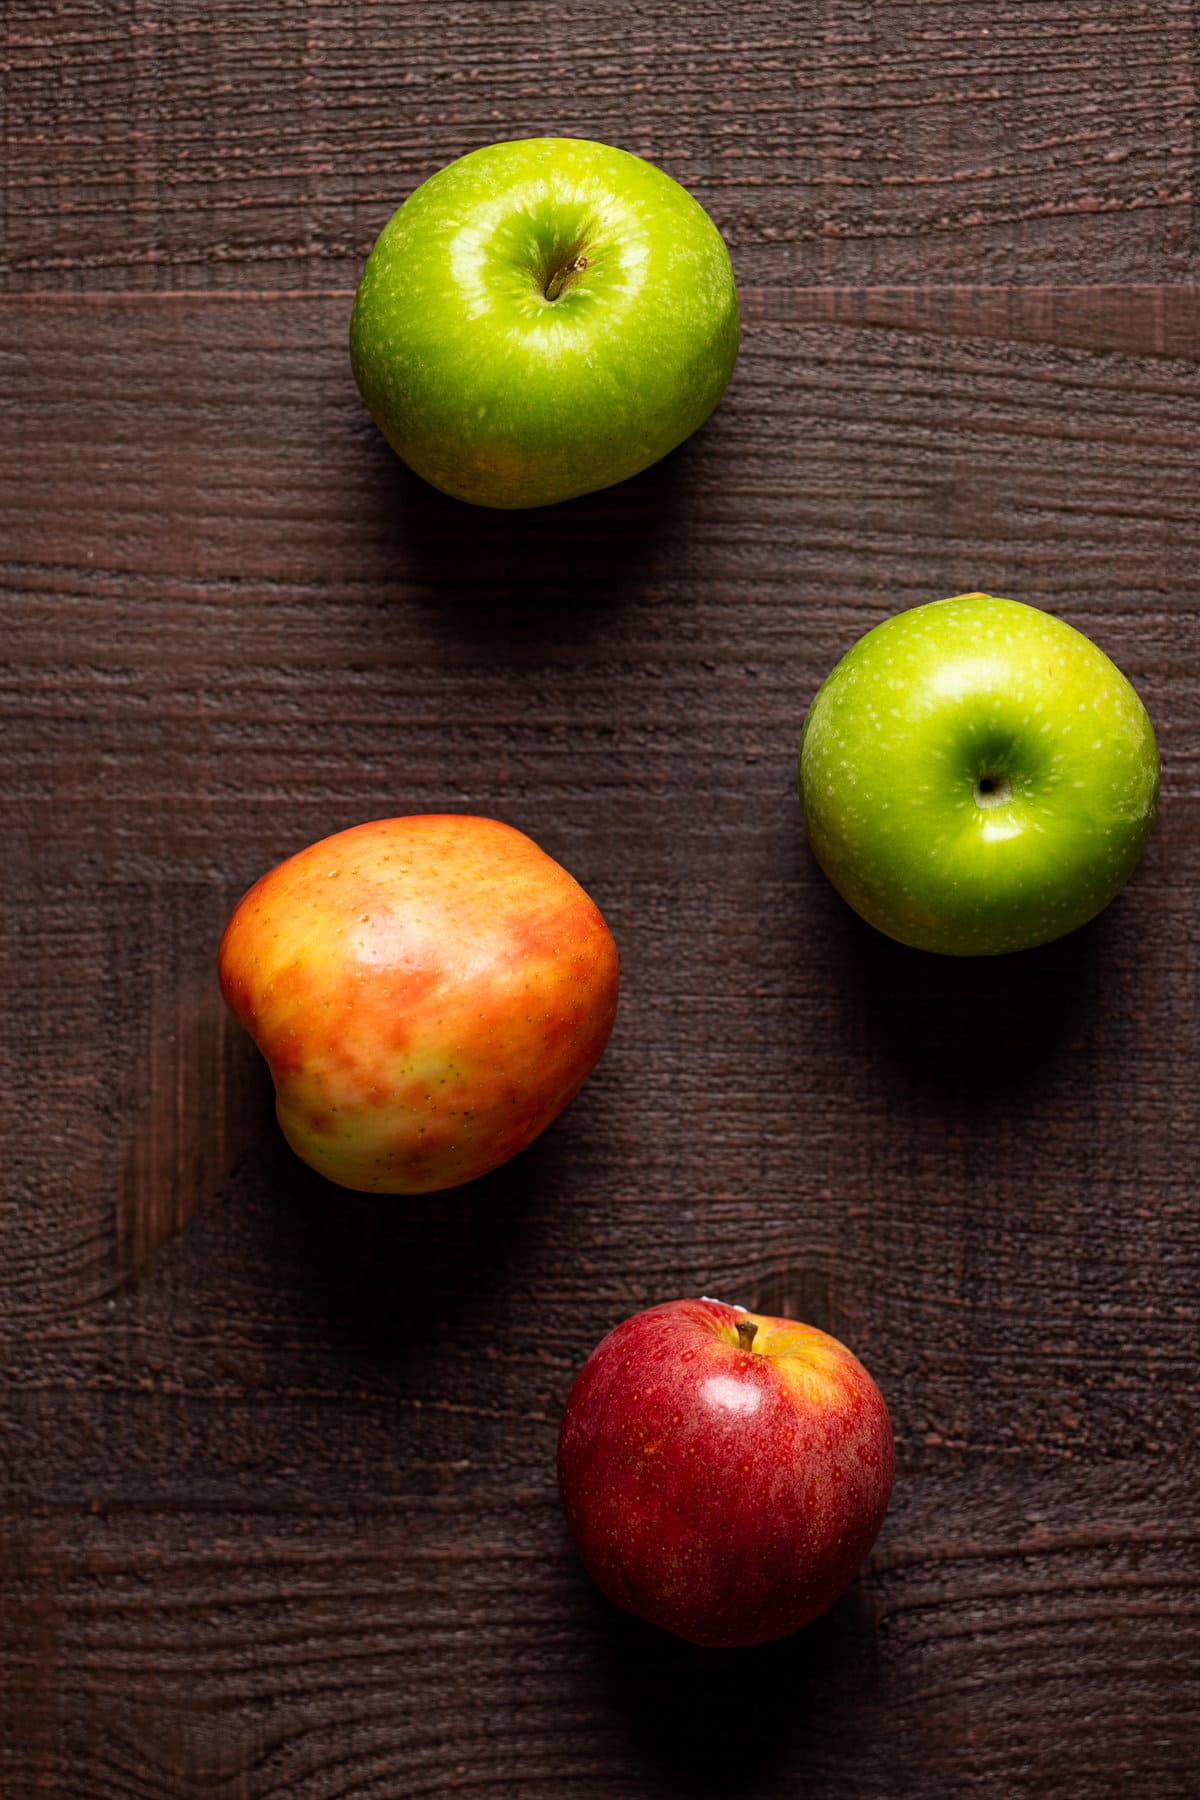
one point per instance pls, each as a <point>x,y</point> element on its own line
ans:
<point>977,776</point>
<point>542,318</point>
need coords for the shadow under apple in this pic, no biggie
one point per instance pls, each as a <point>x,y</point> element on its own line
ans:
<point>979,1032</point>
<point>388,1272</point>
<point>724,1721</point>
<point>553,571</point>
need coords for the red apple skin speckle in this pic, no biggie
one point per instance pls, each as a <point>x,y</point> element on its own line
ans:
<point>724,1494</point>
<point>429,994</point>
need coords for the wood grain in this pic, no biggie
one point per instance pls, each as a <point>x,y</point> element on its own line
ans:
<point>277,1509</point>
<point>303,1673</point>
<point>261,628</point>
<point>242,143</point>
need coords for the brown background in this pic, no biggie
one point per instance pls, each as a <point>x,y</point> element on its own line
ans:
<point>277,1490</point>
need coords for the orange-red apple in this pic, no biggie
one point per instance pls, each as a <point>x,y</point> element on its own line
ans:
<point>724,1473</point>
<point>429,993</point>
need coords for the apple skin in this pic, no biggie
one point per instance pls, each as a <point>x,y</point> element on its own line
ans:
<point>727,1495</point>
<point>428,992</point>
<point>935,702</point>
<point>496,392</point>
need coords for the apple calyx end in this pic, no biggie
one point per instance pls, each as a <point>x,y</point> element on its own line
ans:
<point>747,1331</point>
<point>993,790</point>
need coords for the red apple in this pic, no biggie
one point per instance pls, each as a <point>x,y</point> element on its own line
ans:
<point>723,1473</point>
<point>429,993</point>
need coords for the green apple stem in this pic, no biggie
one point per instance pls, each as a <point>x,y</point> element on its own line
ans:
<point>747,1331</point>
<point>563,278</point>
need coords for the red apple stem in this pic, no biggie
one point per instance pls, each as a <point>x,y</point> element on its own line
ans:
<point>747,1331</point>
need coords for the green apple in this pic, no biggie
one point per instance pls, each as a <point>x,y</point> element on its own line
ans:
<point>542,318</point>
<point>977,776</point>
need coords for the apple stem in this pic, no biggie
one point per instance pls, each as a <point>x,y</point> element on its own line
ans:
<point>747,1331</point>
<point>561,278</point>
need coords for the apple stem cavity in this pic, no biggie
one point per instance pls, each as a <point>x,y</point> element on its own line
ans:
<point>561,279</point>
<point>993,790</point>
<point>747,1331</point>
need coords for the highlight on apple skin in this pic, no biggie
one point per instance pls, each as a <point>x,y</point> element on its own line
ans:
<point>429,994</point>
<point>977,777</point>
<point>723,1473</point>
<point>542,318</point>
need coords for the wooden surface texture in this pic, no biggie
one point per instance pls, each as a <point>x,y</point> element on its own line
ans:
<point>277,1502</point>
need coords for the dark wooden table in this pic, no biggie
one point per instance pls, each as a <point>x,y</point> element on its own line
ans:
<point>277,1484</point>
